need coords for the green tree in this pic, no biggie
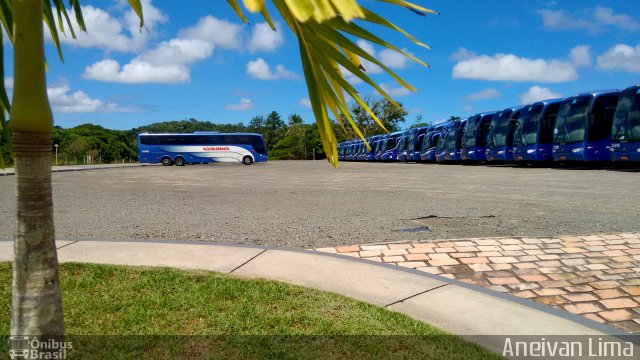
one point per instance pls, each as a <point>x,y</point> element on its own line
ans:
<point>295,120</point>
<point>293,145</point>
<point>5,143</point>
<point>313,143</point>
<point>256,124</point>
<point>320,28</point>
<point>273,129</point>
<point>78,148</point>
<point>419,123</point>
<point>378,112</point>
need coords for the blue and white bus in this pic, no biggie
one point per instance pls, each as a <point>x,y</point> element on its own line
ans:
<point>373,144</point>
<point>500,136</point>
<point>414,142</point>
<point>389,149</point>
<point>201,147</point>
<point>448,148</point>
<point>534,132</point>
<point>430,143</point>
<point>474,137</point>
<point>625,132</point>
<point>582,130</point>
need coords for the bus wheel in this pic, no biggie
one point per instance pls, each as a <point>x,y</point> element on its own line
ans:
<point>247,160</point>
<point>166,161</point>
<point>179,161</point>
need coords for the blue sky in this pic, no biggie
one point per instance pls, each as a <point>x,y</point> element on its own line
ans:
<point>200,61</point>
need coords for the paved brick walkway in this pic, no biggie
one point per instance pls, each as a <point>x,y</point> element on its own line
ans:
<point>597,276</point>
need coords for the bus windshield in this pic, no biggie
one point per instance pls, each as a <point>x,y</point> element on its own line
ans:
<point>626,121</point>
<point>571,121</point>
<point>498,133</point>
<point>527,132</point>
<point>470,132</point>
<point>411,140</point>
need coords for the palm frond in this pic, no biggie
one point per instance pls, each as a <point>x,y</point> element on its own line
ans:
<point>321,27</point>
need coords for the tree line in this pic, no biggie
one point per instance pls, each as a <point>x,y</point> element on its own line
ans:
<point>286,139</point>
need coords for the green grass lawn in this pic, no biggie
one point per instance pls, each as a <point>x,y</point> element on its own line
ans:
<point>231,318</point>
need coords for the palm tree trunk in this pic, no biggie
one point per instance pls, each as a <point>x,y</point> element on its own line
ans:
<point>37,301</point>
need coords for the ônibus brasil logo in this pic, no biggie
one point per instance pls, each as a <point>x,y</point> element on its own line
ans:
<point>215,148</point>
<point>28,348</point>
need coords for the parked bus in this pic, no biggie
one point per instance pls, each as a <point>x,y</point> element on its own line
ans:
<point>442,153</point>
<point>474,138</point>
<point>533,137</point>
<point>448,149</point>
<point>458,139</point>
<point>414,142</point>
<point>430,143</point>
<point>402,147</point>
<point>582,130</point>
<point>340,151</point>
<point>625,131</point>
<point>201,147</point>
<point>379,145</point>
<point>500,135</point>
<point>389,149</point>
<point>373,143</point>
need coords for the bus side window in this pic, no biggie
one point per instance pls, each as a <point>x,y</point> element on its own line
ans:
<point>148,140</point>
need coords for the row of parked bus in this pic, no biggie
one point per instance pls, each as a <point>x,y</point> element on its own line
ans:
<point>598,126</point>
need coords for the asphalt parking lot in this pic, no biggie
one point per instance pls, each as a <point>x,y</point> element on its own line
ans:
<point>309,204</point>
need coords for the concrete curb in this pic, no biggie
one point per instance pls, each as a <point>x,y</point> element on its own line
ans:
<point>11,171</point>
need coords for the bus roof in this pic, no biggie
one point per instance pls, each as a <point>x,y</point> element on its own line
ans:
<point>199,133</point>
<point>593,93</point>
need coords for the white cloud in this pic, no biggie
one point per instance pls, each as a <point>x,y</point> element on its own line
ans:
<point>305,102</point>
<point>259,69</point>
<point>216,32</point>
<point>581,56</point>
<point>62,100</point>
<point>265,39</point>
<point>621,57</point>
<point>107,32</point>
<point>8,83</point>
<point>244,104</point>
<point>137,72</point>
<point>177,52</point>
<point>537,93</point>
<point>561,20</point>
<point>395,91</point>
<point>605,16</point>
<point>595,21</point>
<point>489,93</point>
<point>393,59</point>
<point>463,54</point>
<point>509,67</point>
<point>169,61</point>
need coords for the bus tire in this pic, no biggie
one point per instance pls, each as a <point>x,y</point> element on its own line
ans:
<point>179,161</point>
<point>247,160</point>
<point>166,161</point>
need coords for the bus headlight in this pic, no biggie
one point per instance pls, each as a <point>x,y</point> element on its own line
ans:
<point>577,150</point>
<point>500,152</point>
<point>531,151</point>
